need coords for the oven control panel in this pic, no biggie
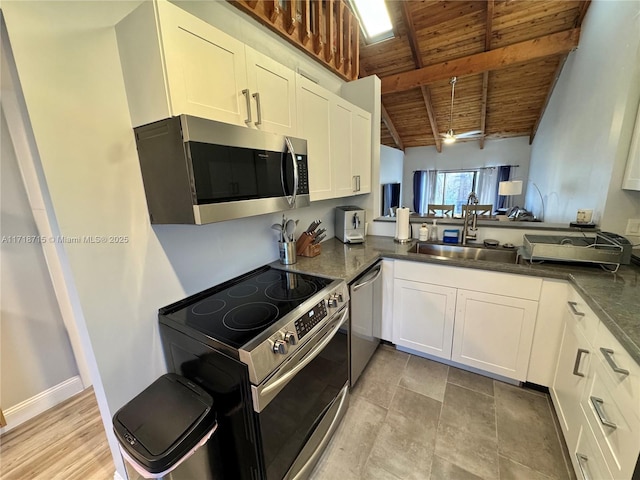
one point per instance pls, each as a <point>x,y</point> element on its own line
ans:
<point>306,323</point>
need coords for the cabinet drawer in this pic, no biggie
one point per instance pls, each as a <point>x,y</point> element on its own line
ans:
<point>616,360</point>
<point>517,286</point>
<point>615,427</point>
<point>587,459</point>
<point>582,316</point>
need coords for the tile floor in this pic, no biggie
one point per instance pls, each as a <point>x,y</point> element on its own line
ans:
<point>412,418</point>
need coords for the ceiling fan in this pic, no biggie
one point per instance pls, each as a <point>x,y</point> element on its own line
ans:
<point>451,136</point>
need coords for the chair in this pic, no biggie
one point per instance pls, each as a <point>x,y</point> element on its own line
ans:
<point>447,210</point>
<point>478,209</point>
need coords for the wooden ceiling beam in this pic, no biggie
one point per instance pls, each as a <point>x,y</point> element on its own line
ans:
<point>417,59</point>
<point>485,75</point>
<point>392,129</point>
<point>537,48</point>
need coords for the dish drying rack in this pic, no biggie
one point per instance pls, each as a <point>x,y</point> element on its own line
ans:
<point>597,249</point>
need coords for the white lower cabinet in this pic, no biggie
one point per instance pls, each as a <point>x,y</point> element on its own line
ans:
<point>494,332</point>
<point>570,380</point>
<point>588,458</point>
<point>423,317</point>
<point>479,327</point>
<point>594,392</point>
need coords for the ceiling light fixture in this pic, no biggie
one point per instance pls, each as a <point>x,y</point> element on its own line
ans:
<point>450,137</point>
<point>374,19</point>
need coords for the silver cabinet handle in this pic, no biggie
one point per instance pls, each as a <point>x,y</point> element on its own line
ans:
<point>574,310</point>
<point>247,98</point>
<point>358,182</point>
<point>576,365</point>
<point>607,353</point>
<point>257,97</point>
<point>355,183</point>
<point>597,404</point>
<point>582,463</point>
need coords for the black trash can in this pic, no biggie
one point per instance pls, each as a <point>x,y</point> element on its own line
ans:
<point>164,425</point>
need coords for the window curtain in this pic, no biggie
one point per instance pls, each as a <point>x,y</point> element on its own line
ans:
<point>424,187</point>
<point>504,173</point>
<point>487,186</point>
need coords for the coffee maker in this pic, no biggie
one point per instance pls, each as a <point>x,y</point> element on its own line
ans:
<point>350,224</point>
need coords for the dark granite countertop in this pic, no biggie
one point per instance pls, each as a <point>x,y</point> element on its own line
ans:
<point>614,297</point>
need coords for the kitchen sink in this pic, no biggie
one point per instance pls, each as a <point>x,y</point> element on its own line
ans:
<point>468,252</point>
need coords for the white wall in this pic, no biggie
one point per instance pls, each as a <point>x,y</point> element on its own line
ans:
<point>391,165</point>
<point>67,59</point>
<point>35,353</point>
<point>507,151</point>
<point>579,152</point>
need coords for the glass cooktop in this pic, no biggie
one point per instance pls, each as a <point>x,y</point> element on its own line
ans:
<point>237,311</point>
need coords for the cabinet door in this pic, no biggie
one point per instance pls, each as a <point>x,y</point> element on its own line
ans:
<point>341,137</point>
<point>494,333</point>
<point>273,94</point>
<point>314,106</point>
<point>205,68</point>
<point>569,381</point>
<point>361,151</point>
<point>423,317</point>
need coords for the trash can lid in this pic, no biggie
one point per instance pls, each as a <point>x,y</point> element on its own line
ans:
<point>164,422</point>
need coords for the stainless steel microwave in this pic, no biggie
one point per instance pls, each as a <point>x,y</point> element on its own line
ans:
<point>198,171</point>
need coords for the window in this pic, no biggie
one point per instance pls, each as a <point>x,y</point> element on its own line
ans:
<point>374,20</point>
<point>454,188</point>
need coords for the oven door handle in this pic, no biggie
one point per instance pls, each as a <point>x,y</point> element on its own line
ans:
<point>304,361</point>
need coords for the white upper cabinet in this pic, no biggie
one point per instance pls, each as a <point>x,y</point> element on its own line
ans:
<point>175,63</point>
<point>341,138</point>
<point>361,150</point>
<point>205,68</point>
<point>314,105</point>
<point>273,94</point>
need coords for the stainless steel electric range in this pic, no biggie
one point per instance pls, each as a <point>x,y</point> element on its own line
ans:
<point>271,347</point>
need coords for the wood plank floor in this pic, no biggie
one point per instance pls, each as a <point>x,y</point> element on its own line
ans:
<point>66,442</point>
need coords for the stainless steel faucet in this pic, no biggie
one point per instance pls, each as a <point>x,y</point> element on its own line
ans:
<point>470,232</point>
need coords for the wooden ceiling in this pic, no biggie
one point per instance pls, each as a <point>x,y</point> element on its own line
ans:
<point>506,55</point>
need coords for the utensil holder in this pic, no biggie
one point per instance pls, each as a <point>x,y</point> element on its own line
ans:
<point>312,250</point>
<point>287,252</point>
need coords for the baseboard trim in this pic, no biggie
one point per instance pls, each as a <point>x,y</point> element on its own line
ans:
<point>41,402</point>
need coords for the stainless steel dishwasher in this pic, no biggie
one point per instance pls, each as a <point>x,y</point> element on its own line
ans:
<point>366,319</point>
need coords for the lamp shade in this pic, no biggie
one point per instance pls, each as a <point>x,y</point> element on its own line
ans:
<point>513,187</point>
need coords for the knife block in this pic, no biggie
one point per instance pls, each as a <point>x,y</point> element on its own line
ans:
<point>311,250</point>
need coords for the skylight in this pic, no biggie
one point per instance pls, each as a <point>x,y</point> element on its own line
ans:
<point>374,19</point>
